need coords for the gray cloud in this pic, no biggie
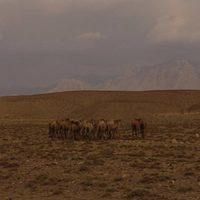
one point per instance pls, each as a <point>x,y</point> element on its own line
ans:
<point>1,36</point>
<point>178,23</point>
<point>42,41</point>
<point>91,36</point>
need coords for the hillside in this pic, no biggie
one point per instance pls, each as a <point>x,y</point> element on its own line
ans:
<point>92,104</point>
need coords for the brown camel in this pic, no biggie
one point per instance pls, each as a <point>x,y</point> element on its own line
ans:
<point>138,126</point>
<point>113,126</point>
<point>75,129</point>
<point>65,127</point>
<point>54,129</point>
<point>101,129</point>
<point>88,130</point>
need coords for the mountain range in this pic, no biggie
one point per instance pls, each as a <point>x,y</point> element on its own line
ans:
<point>172,75</point>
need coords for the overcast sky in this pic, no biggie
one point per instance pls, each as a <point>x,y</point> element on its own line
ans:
<point>42,41</point>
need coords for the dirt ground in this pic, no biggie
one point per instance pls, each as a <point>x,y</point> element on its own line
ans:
<point>165,165</point>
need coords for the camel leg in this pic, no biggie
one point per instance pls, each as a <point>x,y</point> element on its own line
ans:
<point>132,133</point>
<point>50,133</point>
<point>143,134</point>
<point>136,133</point>
<point>74,135</point>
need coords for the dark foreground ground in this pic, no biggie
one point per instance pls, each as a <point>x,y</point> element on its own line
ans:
<point>166,165</point>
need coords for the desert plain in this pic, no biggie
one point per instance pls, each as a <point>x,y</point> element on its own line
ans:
<point>165,165</point>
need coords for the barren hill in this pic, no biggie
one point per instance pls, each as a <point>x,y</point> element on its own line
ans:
<point>89,104</point>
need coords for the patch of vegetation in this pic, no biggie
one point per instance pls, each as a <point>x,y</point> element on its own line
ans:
<point>87,183</point>
<point>138,192</point>
<point>148,180</point>
<point>185,189</point>
<point>83,168</point>
<point>118,179</point>
<point>106,195</point>
<point>163,178</point>
<point>189,173</point>
<point>6,164</point>
<point>110,190</point>
<point>102,184</point>
<point>42,180</point>
<point>57,192</point>
<point>138,164</point>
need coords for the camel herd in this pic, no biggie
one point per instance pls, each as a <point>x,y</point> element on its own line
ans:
<point>93,129</point>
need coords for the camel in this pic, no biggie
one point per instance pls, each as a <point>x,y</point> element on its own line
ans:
<point>88,130</point>
<point>65,127</point>
<point>112,126</point>
<point>92,129</point>
<point>54,128</point>
<point>75,129</point>
<point>138,126</point>
<point>101,129</point>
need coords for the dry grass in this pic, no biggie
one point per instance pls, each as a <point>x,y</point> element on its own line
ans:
<point>166,165</point>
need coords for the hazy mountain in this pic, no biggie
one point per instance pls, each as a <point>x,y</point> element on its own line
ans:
<point>84,82</point>
<point>172,75</point>
<point>179,74</point>
<point>70,85</point>
<point>23,90</point>
<point>94,79</point>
